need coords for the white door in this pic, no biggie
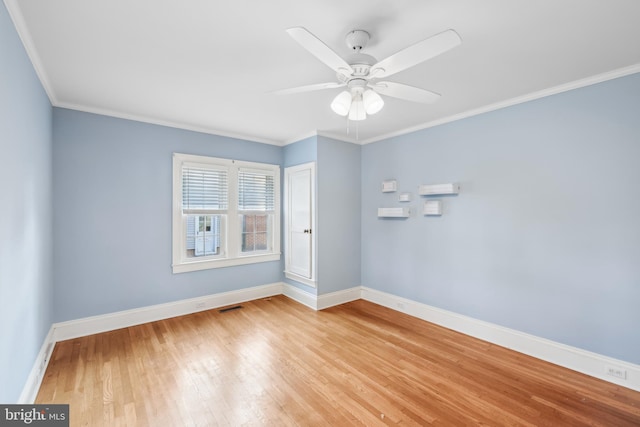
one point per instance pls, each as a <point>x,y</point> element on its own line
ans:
<point>299,227</point>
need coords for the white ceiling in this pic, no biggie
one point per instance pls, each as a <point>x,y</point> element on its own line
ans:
<point>210,65</point>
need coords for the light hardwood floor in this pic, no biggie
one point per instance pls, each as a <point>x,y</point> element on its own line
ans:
<point>275,362</point>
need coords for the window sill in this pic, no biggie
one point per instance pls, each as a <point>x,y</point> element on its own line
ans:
<point>220,263</point>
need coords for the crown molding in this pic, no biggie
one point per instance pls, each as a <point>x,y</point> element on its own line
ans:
<point>166,123</point>
<point>576,84</point>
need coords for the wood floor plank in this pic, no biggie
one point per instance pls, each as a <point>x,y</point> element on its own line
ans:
<point>275,362</point>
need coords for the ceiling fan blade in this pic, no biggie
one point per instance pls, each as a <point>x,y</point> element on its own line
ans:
<point>417,53</point>
<point>309,88</point>
<point>402,91</point>
<point>320,50</point>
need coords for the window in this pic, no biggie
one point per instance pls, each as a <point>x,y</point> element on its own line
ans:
<point>225,212</point>
<point>256,207</point>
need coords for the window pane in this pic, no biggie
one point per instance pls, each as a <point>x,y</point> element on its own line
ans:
<point>261,223</point>
<point>255,232</point>
<point>203,235</point>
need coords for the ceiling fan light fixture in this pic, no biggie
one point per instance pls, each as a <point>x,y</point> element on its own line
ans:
<point>341,104</point>
<point>357,111</point>
<point>372,101</point>
<point>360,72</point>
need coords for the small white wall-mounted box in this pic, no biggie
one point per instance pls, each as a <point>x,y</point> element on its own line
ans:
<point>394,212</point>
<point>436,189</point>
<point>432,207</point>
<point>389,186</point>
<point>404,197</point>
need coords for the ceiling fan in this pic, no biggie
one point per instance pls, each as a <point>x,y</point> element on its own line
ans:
<point>361,73</point>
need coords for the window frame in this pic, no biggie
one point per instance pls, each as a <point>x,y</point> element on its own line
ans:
<point>231,231</point>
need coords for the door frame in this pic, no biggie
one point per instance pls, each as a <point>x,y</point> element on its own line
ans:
<point>314,226</point>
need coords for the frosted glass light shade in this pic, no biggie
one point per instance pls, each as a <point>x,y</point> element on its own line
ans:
<point>357,111</point>
<point>341,103</point>
<point>372,101</point>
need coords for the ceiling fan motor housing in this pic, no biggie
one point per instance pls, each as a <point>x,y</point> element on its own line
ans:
<point>360,63</point>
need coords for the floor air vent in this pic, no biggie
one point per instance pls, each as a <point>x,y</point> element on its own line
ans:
<point>235,307</point>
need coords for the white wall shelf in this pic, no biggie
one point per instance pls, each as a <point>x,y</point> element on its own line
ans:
<point>389,186</point>
<point>438,189</point>
<point>404,197</point>
<point>432,207</point>
<point>394,212</point>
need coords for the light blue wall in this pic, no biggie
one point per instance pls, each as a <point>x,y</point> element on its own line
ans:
<point>338,210</point>
<point>338,183</point>
<point>25,217</point>
<point>300,152</point>
<point>112,222</point>
<point>545,235</point>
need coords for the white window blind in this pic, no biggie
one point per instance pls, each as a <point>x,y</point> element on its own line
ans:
<point>256,191</point>
<point>204,190</point>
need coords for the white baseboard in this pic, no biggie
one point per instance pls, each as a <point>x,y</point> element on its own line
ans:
<point>31,387</point>
<point>300,296</point>
<point>124,319</point>
<point>338,297</point>
<point>573,358</point>
<point>320,302</point>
